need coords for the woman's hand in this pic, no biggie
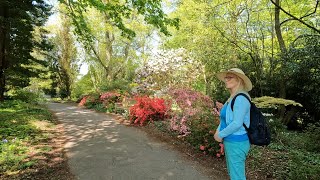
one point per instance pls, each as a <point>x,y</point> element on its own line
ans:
<point>216,137</point>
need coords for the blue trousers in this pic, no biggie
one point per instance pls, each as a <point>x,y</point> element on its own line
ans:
<point>236,154</point>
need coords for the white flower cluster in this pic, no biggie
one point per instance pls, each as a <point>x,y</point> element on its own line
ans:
<point>267,114</point>
<point>167,68</point>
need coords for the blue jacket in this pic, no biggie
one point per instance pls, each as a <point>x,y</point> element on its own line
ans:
<point>234,131</point>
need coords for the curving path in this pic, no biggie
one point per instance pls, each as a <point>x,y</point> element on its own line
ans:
<point>100,149</point>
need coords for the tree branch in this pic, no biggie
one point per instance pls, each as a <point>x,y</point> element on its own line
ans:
<point>231,41</point>
<point>290,19</point>
<point>73,16</point>
<point>295,18</point>
<point>315,10</point>
<point>303,36</point>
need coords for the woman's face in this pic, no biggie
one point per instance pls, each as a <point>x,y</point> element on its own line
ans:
<point>231,81</point>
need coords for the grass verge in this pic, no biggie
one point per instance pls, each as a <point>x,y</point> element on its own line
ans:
<point>30,146</point>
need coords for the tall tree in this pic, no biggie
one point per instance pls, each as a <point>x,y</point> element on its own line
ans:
<point>18,20</point>
<point>115,16</point>
<point>67,59</point>
<point>279,25</point>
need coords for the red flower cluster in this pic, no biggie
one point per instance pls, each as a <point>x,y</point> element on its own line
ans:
<point>83,101</point>
<point>148,109</point>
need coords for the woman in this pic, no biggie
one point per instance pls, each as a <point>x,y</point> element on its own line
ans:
<point>230,130</point>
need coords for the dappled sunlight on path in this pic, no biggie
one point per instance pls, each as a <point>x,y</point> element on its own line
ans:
<point>100,148</point>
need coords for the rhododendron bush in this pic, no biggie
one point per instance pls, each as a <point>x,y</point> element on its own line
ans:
<point>168,68</point>
<point>148,109</point>
<point>110,97</point>
<point>89,100</point>
<point>104,102</point>
<point>83,101</point>
<point>195,117</point>
<point>188,104</point>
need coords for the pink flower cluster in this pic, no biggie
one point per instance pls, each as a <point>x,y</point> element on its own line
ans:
<point>109,95</point>
<point>216,110</point>
<point>191,103</point>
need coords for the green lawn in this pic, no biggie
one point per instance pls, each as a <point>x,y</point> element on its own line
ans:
<point>24,128</point>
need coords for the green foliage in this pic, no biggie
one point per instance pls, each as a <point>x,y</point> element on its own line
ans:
<point>12,155</point>
<point>303,165</point>
<point>163,126</point>
<point>201,128</point>
<point>92,101</point>
<point>83,87</point>
<point>117,12</point>
<point>271,102</point>
<point>313,137</point>
<point>18,42</point>
<point>62,59</point>
<point>276,126</point>
<point>291,155</point>
<point>303,74</point>
<point>18,132</point>
<point>26,95</point>
<point>99,106</point>
<point>121,85</point>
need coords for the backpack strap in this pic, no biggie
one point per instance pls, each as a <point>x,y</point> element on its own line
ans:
<point>234,99</point>
<point>232,103</point>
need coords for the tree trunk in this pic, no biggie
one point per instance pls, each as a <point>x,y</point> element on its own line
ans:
<point>290,115</point>
<point>277,28</point>
<point>233,23</point>
<point>109,36</point>
<point>3,34</point>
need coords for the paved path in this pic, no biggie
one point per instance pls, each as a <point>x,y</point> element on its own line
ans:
<point>99,148</point>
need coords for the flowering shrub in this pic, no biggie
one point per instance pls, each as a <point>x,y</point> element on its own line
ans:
<point>148,109</point>
<point>187,104</point>
<point>89,101</point>
<point>176,65</point>
<point>105,102</point>
<point>201,127</point>
<point>83,101</point>
<point>92,101</point>
<point>110,97</point>
<point>195,117</point>
<point>217,108</point>
<point>109,100</point>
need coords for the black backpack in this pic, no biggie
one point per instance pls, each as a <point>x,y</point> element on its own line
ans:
<point>258,131</point>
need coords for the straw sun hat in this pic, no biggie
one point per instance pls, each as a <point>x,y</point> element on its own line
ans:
<point>238,72</point>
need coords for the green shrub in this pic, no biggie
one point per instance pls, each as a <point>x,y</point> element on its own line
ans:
<point>313,137</point>
<point>111,107</point>
<point>303,165</point>
<point>100,107</point>
<point>121,84</point>
<point>28,96</point>
<point>201,127</point>
<point>92,101</point>
<point>276,128</point>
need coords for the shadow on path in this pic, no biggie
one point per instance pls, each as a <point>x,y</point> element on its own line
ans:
<point>99,148</point>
